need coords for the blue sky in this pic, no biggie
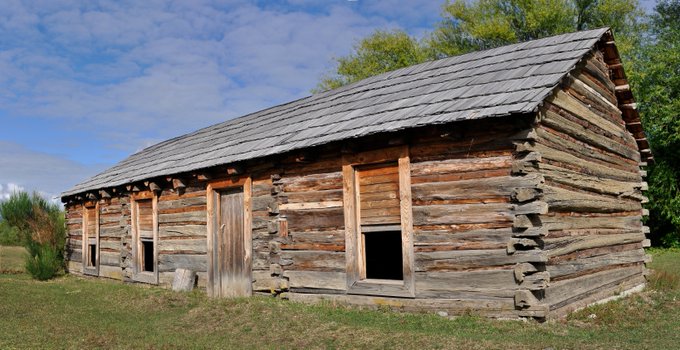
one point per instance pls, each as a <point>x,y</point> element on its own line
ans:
<point>84,84</point>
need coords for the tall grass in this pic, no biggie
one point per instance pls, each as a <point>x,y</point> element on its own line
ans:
<point>40,227</point>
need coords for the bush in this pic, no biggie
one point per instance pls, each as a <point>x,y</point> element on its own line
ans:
<point>43,261</point>
<point>9,236</point>
<point>40,227</point>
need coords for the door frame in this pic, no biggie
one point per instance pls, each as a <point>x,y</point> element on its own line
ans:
<point>244,182</point>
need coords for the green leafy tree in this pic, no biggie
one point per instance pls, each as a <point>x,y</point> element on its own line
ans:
<point>656,83</point>
<point>41,229</point>
<point>383,51</point>
<point>479,24</point>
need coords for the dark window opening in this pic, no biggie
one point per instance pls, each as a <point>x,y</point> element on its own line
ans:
<point>147,255</point>
<point>92,261</point>
<point>383,255</point>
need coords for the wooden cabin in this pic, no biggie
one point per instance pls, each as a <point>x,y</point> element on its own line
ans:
<point>506,183</point>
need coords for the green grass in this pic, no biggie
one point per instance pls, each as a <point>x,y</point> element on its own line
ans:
<point>12,259</point>
<point>72,312</point>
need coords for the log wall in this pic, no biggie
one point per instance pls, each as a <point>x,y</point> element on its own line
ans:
<point>594,236</point>
<point>525,216</point>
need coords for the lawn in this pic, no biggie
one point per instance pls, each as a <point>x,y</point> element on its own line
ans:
<point>71,312</point>
<point>11,259</point>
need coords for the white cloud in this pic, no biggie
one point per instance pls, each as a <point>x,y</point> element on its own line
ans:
<point>23,169</point>
<point>129,73</point>
<point>160,68</point>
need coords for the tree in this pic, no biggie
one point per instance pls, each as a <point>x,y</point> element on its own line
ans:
<point>656,83</point>
<point>480,24</point>
<point>382,51</point>
<point>489,23</point>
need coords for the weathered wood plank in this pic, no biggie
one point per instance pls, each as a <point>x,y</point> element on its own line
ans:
<point>437,284</point>
<point>585,134</point>
<point>569,268</point>
<point>491,307</point>
<point>183,246</point>
<point>462,260</point>
<point>566,245</point>
<point>556,221</point>
<point>191,218</point>
<point>313,260</point>
<point>314,219</point>
<point>462,214</point>
<point>561,199</point>
<point>182,230</point>
<point>428,240</point>
<point>169,263</point>
<point>562,292</point>
<point>312,182</point>
<point>317,279</point>
<point>477,188</point>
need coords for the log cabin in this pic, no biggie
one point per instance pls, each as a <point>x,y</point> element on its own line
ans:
<point>505,182</point>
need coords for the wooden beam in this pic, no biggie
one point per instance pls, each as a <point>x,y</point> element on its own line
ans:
<point>105,193</point>
<point>178,183</point>
<point>154,187</point>
<point>235,170</point>
<point>203,177</point>
<point>619,88</point>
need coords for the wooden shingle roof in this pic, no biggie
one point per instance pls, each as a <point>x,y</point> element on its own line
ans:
<point>512,79</point>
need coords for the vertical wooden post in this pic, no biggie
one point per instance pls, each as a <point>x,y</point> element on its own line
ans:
<point>406,219</point>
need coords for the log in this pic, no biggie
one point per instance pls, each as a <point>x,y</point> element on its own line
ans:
<point>483,282</point>
<point>311,205</point>
<point>522,195</point>
<point>458,165</point>
<point>557,222</point>
<point>574,146</point>
<point>490,306</point>
<point>566,245</point>
<point>575,267</point>
<point>561,293</point>
<point>560,199</point>
<point>165,231</point>
<point>462,214</point>
<point>183,246</point>
<point>536,281</point>
<point>584,166</point>
<point>313,260</point>
<point>523,269</point>
<point>312,196</point>
<point>184,280</point>
<point>477,188</point>
<point>433,240</point>
<point>312,182</point>
<point>591,183</point>
<point>461,260</point>
<point>164,204</point>
<point>526,299</point>
<point>314,219</point>
<point>190,218</point>
<point>316,279</point>
<point>194,262</point>
<point>585,134</point>
<point>523,221</point>
<point>521,243</point>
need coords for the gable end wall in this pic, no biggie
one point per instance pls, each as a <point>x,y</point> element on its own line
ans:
<point>594,236</point>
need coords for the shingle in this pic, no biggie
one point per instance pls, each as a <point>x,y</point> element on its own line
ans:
<point>496,82</point>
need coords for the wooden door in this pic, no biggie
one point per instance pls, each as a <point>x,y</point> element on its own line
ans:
<point>230,263</point>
